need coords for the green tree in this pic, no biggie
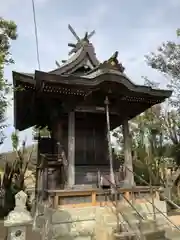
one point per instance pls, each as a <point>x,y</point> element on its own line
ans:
<point>166,60</point>
<point>150,148</point>
<point>14,176</point>
<point>8,32</point>
<point>149,145</point>
<point>43,132</point>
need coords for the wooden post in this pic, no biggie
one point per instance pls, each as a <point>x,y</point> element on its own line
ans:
<point>129,176</point>
<point>157,195</point>
<point>45,181</point>
<point>38,162</point>
<point>93,198</point>
<point>127,195</point>
<point>106,102</point>
<point>56,201</point>
<point>71,149</point>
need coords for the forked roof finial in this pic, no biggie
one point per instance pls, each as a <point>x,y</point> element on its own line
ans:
<point>80,41</point>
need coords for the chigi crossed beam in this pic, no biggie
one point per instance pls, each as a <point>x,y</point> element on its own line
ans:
<point>80,41</point>
<point>76,46</point>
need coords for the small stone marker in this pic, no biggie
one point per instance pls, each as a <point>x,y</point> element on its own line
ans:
<point>18,219</point>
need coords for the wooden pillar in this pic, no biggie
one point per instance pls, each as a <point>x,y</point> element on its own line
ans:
<point>109,141</point>
<point>38,162</point>
<point>55,175</point>
<point>71,149</point>
<point>129,176</point>
<point>45,180</point>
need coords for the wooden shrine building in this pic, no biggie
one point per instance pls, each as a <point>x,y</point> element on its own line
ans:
<point>81,101</point>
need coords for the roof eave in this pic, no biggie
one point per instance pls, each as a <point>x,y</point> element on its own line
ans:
<point>23,77</point>
<point>105,76</point>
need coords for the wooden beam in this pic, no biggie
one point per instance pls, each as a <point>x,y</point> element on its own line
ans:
<point>94,109</point>
<point>88,192</point>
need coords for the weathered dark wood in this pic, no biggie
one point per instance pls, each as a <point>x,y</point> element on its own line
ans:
<point>106,102</point>
<point>88,174</point>
<point>68,91</point>
<point>45,183</point>
<point>69,100</point>
<point>91,143</point>
<point>94,109</point>
<point>85,197</point>
<point>71,149</point>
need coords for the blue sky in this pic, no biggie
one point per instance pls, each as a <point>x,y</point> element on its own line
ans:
<point>133,27</point>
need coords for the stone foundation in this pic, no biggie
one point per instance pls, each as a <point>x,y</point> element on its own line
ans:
<point>98,223</point>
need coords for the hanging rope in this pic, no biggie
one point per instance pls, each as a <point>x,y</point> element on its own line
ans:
<point>36,34</point>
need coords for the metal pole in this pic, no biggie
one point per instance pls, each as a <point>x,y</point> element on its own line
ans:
<point>106,102</point>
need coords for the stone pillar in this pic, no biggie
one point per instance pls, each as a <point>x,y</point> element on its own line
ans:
<point>129,176</point>
<point>71,149</point>
<point>19,219</point>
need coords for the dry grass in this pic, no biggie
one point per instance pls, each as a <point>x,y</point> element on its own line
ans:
<point>11,156</point>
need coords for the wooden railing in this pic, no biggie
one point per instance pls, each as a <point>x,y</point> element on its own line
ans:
<point>97,197</point>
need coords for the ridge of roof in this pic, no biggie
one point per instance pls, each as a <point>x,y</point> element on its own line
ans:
<point>84,53</point>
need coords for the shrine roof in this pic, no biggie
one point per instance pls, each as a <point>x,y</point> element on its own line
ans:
<point>85,55</point>
<point>81,79</point>
<point>94,79</point>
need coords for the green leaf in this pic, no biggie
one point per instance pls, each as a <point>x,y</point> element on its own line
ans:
<point>178,32</point>
<point>8,32</point>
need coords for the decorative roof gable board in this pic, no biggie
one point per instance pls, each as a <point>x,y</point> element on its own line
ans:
<point>85,55</point>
